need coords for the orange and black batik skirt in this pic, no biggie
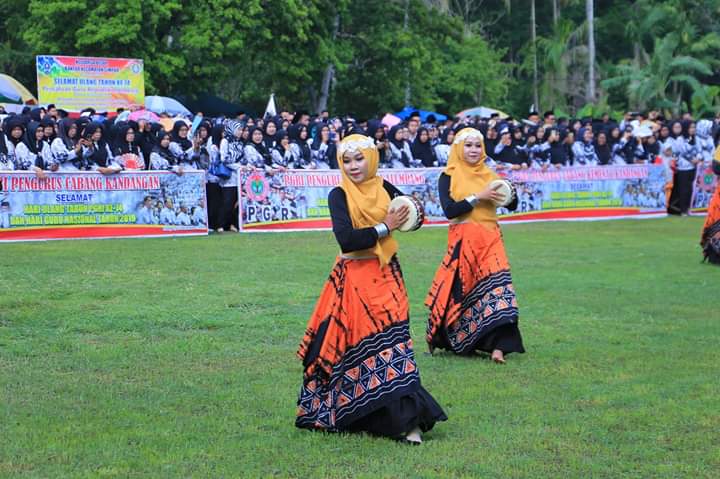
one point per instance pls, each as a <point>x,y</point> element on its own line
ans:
<point>710,240</point>
<point>472,299</point>
<point>359,366</point>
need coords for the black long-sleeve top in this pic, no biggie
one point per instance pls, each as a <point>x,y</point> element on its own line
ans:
<point>349,238</point>
<point>558,154</point>
<point>452,208</point>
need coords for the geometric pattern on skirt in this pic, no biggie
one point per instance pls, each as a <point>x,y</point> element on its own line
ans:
<point>491,303</point>
<point>359,300</point>
<point>472,292</point>
<point>379,369</point>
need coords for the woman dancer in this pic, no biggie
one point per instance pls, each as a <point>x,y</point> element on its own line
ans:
<point>710,240</point>
<point>359,367</point>
<point>472,299</point>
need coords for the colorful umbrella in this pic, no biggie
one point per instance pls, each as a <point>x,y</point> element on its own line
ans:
<point>169,123</point>
<point>8,95</point>
<point>122,116</point>
<point>163,104</point>
<point>482,112</point>
<point>146,115</point>
<point>408,110</point>
<point>14,92</point>
<point>390,120</point>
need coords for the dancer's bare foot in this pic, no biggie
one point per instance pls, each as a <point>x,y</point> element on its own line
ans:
<point>498,356</point>
<point>414,436</point>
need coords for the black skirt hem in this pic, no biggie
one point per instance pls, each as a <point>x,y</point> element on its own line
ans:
<point>505,337</point>
<point>400,416</point>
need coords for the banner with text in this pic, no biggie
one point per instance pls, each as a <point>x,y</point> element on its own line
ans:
<point>105,84</point>
<point>297,199</point>
<point>91,205</point>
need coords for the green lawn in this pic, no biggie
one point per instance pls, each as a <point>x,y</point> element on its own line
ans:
<point>176,358</point>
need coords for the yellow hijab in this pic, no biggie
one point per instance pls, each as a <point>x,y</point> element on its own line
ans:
<point>467,179</point>
<point>368,202</point>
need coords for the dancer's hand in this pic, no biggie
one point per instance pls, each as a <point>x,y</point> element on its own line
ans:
<point>396,217</point>
<point>489,194</point>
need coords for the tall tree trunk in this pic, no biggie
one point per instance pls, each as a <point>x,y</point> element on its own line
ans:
<point>556,12</point>
<point>636,54</point>
<point>467,18</point>
<point>407,70</point>
<point>534,49</point>
<point>589,8</point>
<point>329,73</point>
<point>325,88</point>
<point>677,95</point>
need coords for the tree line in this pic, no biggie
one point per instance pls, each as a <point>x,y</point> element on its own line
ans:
<point>578,57</point>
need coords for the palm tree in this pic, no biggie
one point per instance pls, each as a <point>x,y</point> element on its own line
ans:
<point>563,55</point>
<point>706,102</point>
<point>645,23</point>
<point>665,80</point>
<point>670,58</point>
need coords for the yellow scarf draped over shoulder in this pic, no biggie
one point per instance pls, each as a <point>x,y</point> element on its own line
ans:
<point>467,179</point>
<point>367,202</point>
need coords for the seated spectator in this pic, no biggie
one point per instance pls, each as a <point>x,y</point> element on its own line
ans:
<point>96,152</point>
<point>584,149</point>
<point>442,150</point>
<point>422,149</point>
<point>162,158</point>
<point>602,149</point>
<point>400,152</point>
<point>127,151</point>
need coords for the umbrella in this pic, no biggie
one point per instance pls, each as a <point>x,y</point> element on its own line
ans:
<point>122,116</point>
<point>169,123</point>
<point>408,110</point>
<point>390,120</point>
<point>146,115</point>
<point>482,112</point>
<point>12,91</point>
<point>8,95</point>
<point>163,104</point>
<point>213,106</point>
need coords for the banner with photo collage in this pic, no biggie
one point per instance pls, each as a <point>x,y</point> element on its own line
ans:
<point>296,200</point>
<point>91,205</point>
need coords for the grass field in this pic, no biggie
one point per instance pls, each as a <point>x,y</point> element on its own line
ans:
<point>176,358</point>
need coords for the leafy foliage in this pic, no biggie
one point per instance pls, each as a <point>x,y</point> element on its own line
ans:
<point>379,54</point>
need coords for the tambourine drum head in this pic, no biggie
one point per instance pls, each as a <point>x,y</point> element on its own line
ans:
<point>504,187</point>
<point>417,214</point>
